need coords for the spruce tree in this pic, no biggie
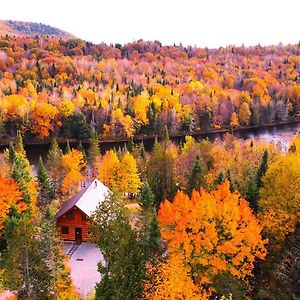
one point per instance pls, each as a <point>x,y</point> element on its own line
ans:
<point>25,269</point>
<point>22,173</point>
<point>54,165</point>
<point>220,178</point>
<point>142,151</point>
<point>147,197</point>
<point>45,186</point>
<point>81,149</point>
<point>123,252</point>
<point>262,169</point>
<point>130,144</point>
<point>153,239</point>
<point>160,174</point>
<point>19,147</point>
<point>255,183</point>
<point>166,135</point>
<point>51,249</point>
<point>94,149</point>
<point>231,183</point>
<point>252,194</point>
<point>68,148</point>
<point>195,176</point>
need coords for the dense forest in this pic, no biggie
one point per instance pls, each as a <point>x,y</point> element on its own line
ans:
<point>216,220</point>
<point>196,220</point>
<point>66,88</point>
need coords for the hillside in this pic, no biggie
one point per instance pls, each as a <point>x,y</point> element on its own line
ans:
<point>27,29</point>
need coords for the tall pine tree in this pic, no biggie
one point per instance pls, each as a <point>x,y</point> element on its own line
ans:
<point>262,169</point>
<point>45,186</point>
<point>195,176</point>
<point>94,149</point>
<point>54,165</point>
<point>124,269</point>
<point>25,268</point>
<point>59,281</point>
<point>255,182</point>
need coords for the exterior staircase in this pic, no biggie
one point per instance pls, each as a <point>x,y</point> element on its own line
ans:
<point>73,249</point>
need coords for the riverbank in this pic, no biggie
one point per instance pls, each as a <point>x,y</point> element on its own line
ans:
<point>4,142</point>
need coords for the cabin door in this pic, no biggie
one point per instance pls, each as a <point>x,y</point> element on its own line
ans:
<point>78,234</point>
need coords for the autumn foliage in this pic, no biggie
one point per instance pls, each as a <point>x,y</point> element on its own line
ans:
<point>73,163</point>
<point>213,232</point>
<point>9,196</point>
<point>280,197</point>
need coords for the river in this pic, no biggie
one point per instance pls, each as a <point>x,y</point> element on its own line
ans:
<point>278,134</point>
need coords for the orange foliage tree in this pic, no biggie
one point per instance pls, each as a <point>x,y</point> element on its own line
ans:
<point>214,232</point>
<point>42,119</point>
<point>171,282</point>
<point>9,196</point>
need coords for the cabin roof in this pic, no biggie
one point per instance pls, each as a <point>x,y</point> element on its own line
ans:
<point>87,199</point>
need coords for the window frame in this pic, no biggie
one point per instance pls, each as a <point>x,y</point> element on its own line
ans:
<point>64,228</point>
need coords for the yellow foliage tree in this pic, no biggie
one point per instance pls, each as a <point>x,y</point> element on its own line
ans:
<point>73,163</point>
<point>42,119</point>
<point>279,203</point>
<point>244,114</point>
<point>108,168</point>
<point>66,108</point>
<point>128,175</point>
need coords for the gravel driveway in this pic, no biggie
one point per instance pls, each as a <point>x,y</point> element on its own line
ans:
<point>84,266</point>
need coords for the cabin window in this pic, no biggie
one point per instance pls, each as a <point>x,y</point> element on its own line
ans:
<point>65,230</point>
<point>83,217</point>
<point>70,215</point>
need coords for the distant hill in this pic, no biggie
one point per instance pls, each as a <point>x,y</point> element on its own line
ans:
<point>25,29</point>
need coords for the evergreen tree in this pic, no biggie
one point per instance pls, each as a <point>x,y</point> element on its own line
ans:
<point>79,127</point>
<point>94,149</point>
<point>153,238</point>
<point>195,176</point>
<point>45,186</point>
<point>59,284</point>
<point>54,165</point>
<point>130,144</point>
<point>68,148</point>
<point>166,135</point>
<point>19,147</point>
<point>220,178</point>
<point>231,183</point>
<point>262,169</point>
<point>123,252</point>
<point>81,149</point>
<point>22,174</point>
<point>142,151</point>
<point>160,174</point>
<point>255,183</point>
<point>147,197</point>
<point>25,269</point>
<point>252,193</point>
<point>11,152</point>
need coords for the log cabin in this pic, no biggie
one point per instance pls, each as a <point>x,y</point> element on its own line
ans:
<point>73,219</point>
